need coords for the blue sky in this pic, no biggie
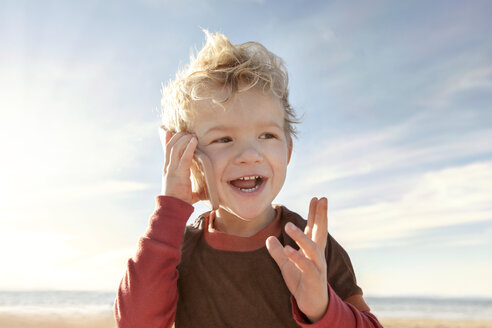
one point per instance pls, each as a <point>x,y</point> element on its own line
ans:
<point>397,127</point>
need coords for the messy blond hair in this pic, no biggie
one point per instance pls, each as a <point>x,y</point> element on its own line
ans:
<point>230,68</point>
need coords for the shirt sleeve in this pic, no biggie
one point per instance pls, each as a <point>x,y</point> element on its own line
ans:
<point>340,272</point>
<point>338,314</point>
<point>147,295</point>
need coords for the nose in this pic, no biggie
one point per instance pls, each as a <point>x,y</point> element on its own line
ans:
<point>248,153</point>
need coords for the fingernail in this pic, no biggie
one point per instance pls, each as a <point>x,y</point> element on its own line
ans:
<point>290,226</point>
<point>289,249</point>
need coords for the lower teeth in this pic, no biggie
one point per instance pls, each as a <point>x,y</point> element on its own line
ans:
<point>249,190</point>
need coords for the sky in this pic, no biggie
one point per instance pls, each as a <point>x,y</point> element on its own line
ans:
<point>396,106</point>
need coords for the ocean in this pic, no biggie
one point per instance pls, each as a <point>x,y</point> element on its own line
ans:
<point>88,302</point>
<point>56,302</point>
<point>431,308</point>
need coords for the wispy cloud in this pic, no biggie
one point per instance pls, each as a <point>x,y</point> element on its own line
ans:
<point>386,186</point>
<point>439,198</point>
<point>478,78</point>
<point>398,148</point>
<point>446,197</point>
<point>52,146</point>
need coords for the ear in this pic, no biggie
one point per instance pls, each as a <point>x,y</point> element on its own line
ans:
<point>289,149</point>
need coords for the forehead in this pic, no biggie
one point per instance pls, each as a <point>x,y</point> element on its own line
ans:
<point>251,107</point>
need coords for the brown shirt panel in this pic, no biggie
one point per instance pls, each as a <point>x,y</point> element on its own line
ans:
<point>220,288</point>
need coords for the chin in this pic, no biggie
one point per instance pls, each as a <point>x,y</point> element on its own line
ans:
<point>247,213</point>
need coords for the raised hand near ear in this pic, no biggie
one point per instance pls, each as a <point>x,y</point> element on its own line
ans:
<point>304,270</point>
<point>178,151</point>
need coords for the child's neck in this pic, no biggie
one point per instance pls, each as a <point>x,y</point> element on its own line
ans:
<point>231,224</point>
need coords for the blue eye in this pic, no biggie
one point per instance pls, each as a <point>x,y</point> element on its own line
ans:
<point>223,140</point>
<point>267,136</point>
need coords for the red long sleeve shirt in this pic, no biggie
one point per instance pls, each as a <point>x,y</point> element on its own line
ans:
<point>148,293</point>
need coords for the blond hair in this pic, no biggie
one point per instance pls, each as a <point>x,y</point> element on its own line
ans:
<point>231,68</point>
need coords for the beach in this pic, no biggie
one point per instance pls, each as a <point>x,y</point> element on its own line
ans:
<point>90,309</point>
<point>107,321</point>
<point>8,320</point>
<point>434,323</point>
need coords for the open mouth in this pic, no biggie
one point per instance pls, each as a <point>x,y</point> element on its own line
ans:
<point>248,184</point>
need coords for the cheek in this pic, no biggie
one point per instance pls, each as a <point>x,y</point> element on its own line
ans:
<point>280,155</point>
<point>279,162</point>
<point>218,163</point>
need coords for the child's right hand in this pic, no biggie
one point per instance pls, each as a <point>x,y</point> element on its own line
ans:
<point>178,150</point>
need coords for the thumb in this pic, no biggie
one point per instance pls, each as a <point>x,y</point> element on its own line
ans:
<point>276,250</point>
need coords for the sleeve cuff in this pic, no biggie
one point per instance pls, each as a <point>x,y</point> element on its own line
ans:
<point>168,221</point>
<point>335,315</point>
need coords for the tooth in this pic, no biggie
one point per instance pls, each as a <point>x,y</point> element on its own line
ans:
<point>249,190</point>
<point>254,177</point>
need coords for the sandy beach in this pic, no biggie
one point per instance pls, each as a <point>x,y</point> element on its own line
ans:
<point>106,321</point>
<point>56,321</point>
<point>431,323</point>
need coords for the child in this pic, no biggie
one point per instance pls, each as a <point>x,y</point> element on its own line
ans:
<point>231,104</point>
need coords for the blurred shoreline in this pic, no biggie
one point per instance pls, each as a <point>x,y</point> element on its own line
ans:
<point>91,303</point>
<point>86,309</point>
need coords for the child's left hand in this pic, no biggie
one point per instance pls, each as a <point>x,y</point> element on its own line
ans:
<point>304,270</point>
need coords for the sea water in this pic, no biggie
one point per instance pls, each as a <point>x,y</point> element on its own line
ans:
<point>431,308</point>
<point>57,302</point>
<point>87,302</point>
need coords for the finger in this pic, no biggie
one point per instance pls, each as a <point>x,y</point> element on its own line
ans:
<point>169,135</point>
<point>276,250</point>
<point>164,136</point>
<point>171,140</point>
<point>311,215</point>
<point>177,151</point>
<point>308,247</point>
<point>187,156</point>
<point>320,228</point>
<point>302,263</point>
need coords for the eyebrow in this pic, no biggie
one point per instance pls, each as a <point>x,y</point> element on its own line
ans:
<point>218,128</point>
<point>271,124</point>
<point>222,127</point>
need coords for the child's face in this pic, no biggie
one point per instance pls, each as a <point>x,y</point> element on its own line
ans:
<point>248,149</point>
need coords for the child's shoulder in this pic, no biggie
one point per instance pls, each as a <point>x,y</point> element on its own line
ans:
<point>291,216</point>
<point>198,225</point>
<point>193,232</point>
